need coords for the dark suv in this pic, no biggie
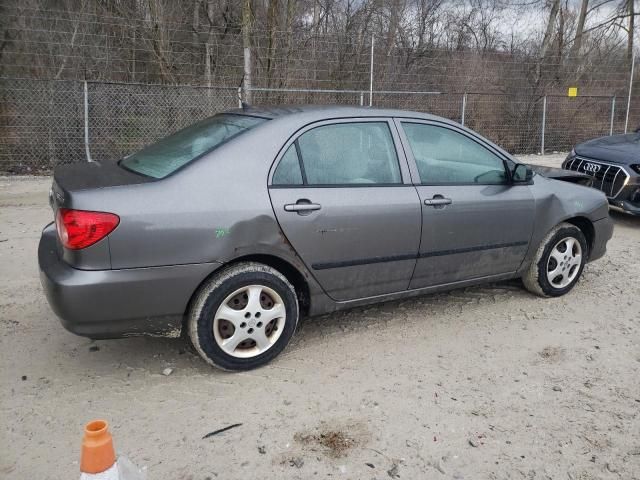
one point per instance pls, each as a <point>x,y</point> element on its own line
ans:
<point>614,164</point>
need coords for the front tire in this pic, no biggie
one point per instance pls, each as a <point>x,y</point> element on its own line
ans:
<point>558,263</point>
<point>243,316</point>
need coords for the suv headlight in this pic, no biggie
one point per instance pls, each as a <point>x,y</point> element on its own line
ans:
<point>571,156</point>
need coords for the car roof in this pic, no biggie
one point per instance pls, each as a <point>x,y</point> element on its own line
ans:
<point>313,113</point>
<point>293,116</point>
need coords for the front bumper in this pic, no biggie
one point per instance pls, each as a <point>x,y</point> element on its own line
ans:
<point>625,206</point>
<point>603,231</point>
<point>118,303</point>
<point>628,200</point>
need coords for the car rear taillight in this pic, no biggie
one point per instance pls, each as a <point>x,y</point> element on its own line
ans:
<point>79,229</point>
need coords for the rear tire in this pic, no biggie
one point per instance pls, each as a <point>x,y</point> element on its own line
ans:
<point>558,263</point>
<point>243,316</point>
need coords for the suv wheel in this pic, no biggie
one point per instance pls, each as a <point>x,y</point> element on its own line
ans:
<point>243,317</point>
<point>558,263</point>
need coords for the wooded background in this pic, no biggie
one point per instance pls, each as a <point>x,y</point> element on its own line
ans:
<point>153,66</point>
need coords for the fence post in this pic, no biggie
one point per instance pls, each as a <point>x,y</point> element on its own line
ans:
<point>371,75</point>
<point>626,120</point>
<point>464,107</point>
<point>613,112</point>
<point>362,99</point>
<point>86,122</point>
<point>544,123</point>
<point>239,97</point>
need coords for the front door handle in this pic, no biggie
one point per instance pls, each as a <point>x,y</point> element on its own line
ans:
<point>303,207</point>
<point>437,201</point>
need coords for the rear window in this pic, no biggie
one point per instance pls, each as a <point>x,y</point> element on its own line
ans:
<point>169,154</point>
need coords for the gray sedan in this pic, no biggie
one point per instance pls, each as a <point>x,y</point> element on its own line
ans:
<point>232,229</point>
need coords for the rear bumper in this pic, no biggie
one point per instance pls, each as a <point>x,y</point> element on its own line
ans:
<point>117,303</point>
<point>603,231</point>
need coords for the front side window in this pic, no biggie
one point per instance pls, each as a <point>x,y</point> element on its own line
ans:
<point>350,154</point>
<point>169,154</point>
<point>444,156</point>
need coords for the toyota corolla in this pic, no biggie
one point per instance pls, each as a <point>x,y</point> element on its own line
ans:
<point>232,229</point>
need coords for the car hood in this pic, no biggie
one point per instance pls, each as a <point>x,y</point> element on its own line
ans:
<point>561,174</point>
<point>624,149</point>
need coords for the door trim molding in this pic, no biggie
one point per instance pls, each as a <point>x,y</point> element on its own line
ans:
<point>440,253</point>
<point>411,256</point>
<point>363,261</point>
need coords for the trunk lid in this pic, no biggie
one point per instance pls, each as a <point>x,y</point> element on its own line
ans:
<point>70,183</point>
<point>90,175</point>
<point>76,177</point>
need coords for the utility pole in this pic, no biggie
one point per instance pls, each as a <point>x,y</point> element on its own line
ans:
<point>246,43</point>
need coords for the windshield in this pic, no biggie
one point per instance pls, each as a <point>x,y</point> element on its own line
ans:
<point>169,154</point>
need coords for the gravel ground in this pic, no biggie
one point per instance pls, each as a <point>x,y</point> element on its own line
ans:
<point>487,382</point>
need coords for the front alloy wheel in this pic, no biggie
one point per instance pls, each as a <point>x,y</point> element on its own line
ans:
<point>564,262</point>
<point>558,263</point>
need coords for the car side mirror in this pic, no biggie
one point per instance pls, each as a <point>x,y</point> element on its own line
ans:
<point>521,174</point>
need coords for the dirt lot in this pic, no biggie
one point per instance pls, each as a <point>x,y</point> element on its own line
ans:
<point>487,382</point>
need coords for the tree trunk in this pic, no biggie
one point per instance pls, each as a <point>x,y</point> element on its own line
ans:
<point>551,23</point>
<point>291,8</point>
<point>207,46</point>
<point>577,41</point>
<point>159,40</point>
<point>272,26</point>
<point>548,36</point>
<point>246,44</point>
<point>560,35</point>
<point>195,24</point>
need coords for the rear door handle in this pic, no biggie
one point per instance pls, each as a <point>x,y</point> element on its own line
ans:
<point>302,207</point>
<point>437,200</point>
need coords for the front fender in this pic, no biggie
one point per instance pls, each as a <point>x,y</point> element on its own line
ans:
<point>558,201</point>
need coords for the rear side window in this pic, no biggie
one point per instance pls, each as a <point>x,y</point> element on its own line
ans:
<point>349,154</point>
<point>444,156</point>
<point>169,154</point>
<point>288,170</point>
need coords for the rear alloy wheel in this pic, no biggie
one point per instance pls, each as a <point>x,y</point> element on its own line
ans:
<point>243,317</point>
<point>558,262</point>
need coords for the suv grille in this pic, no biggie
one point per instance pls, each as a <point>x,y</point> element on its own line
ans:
<point>608,178</point>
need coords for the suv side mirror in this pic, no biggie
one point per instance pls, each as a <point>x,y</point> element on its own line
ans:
<point>521,174</point>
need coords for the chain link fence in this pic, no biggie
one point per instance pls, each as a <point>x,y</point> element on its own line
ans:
<point>123,118</point>
<point>150,71</point>
<point>44,123</point>
<point>41,124</point>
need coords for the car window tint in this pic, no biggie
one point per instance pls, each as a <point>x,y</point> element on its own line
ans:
<point>288,170</point>
<point>167,155</point>
<point>444,156</point>
<point>350,153</point>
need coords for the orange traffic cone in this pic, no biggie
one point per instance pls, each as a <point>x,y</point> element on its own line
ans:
<point>98,458</point>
